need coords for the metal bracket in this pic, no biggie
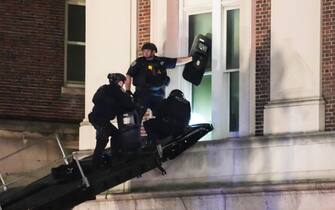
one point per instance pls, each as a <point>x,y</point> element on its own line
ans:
<point>163,171</point>
<point>3,183</point>
<point>159,150</point>
<point>85,180</point>
<point>159,165</point>
<point>61,149</point>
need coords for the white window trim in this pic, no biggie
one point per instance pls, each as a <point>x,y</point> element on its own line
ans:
<point>77,2</point>
<point>221,78</point>
<point>158,10</point>
<point>247,69</point>
<point>69,83</point>
<point>133,31</point>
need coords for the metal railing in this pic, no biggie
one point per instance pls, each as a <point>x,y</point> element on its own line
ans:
<point>84,178</point>
<point>13,180</point>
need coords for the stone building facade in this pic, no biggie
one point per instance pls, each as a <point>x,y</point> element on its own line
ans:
<point>275,151</point>
<point>269,93</point>
<point>37,101</point>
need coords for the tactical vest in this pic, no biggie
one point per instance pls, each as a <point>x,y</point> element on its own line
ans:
<point>155,74</point>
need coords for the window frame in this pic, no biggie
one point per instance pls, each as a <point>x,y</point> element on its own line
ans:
<point>199,11</point>
<point>71,83</point>
<point>184,13</point>
<point>220,79</point>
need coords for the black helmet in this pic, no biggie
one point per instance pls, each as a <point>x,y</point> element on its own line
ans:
<point>176,93</point>
<point>116,77</point>
<point>149,46</point>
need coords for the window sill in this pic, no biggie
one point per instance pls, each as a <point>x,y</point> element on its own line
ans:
<point>73,90</point>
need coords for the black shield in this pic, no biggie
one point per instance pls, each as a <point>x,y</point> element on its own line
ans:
<point>200,51</point>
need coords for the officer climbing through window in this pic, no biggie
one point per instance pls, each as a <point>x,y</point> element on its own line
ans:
<point>148,74</point>
<point>109,101</point>
<point>172,117</point>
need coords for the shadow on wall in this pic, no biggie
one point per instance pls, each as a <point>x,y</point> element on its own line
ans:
<point>290,73</point>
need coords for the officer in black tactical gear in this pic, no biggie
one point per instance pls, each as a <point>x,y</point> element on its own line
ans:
<point>148,74</point>
<point>172,117</point>
<point>109,101</point>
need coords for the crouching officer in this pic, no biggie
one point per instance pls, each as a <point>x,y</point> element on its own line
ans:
<point>173,116</point>
<point>109,101</point>
<point>148,74</point>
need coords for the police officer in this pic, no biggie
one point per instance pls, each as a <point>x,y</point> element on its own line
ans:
<point>173,116</point>
<point>148,74</point>
<point>109,101</point>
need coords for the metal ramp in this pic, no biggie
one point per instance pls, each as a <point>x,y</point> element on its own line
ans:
<point>84,182</point>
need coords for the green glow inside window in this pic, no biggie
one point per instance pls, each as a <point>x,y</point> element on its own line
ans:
<point>202,94</point>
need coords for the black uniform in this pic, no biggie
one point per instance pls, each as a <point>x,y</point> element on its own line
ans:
<point>109,101</point>
<point>150,79</point>
<point>173,116</point>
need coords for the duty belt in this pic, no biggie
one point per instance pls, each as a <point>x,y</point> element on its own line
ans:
<point>157,88</point>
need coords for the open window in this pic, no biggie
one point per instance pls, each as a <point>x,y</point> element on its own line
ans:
<point>201,95</point>
<point>217,98</point>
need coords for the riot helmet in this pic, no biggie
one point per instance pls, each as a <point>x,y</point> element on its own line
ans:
<point>149,46</point>
<point>116,77</point>
<point>176,93</point>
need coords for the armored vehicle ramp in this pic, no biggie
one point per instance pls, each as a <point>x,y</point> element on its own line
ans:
<point>69,185</point>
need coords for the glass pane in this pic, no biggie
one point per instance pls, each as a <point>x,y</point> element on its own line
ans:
<point>202,94</point>
<point>202,100</point>
<point>233,37</point>
<point>234,101</point>
<point>76,63</point>
<point>200,24</point>
<point>76,23</point>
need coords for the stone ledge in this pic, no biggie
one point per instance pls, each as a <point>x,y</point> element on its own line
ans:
<point>306,185</point>
<point>270,159</point>
<point>11,130</point>
<point>73,90</point>
<point>38,126</point>
<point>273,139</point>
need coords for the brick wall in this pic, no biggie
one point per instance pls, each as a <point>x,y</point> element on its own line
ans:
<point>328,61</point>
<point>143,24</point>
<point>32,63</point>
<point>263,42</point>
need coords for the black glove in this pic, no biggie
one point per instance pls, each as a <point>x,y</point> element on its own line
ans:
<point>130,93</point>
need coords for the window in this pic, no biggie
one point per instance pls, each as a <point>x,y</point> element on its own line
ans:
<point>231,57</point>
<point>75,43</point>
<point>224,97</point>
<point>201,95</point>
